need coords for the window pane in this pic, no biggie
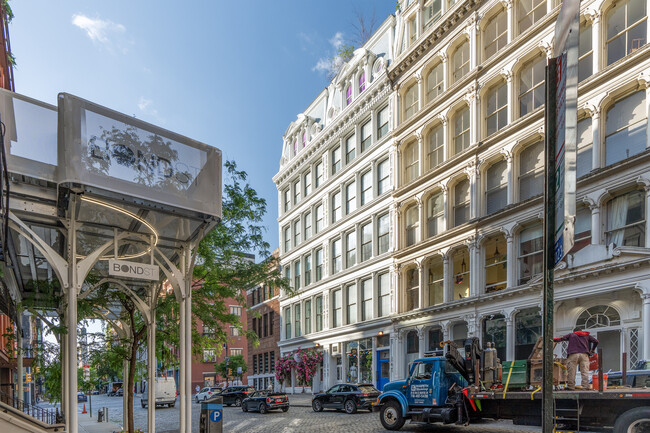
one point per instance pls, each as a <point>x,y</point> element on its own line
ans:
<point>461,130</point>
<point>436,281</point>
<point>461,271</point>
<point>384,294</point>
<point>435,215</point>
<point>383,177</point>
<point>382,233</point>
<point>461,61</point>
<point>584,141</point>
<point>626,128</point>
<point>435,84</point>
<point>436,147</point>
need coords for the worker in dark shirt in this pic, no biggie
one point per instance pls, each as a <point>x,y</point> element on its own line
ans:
<point>581,347</point>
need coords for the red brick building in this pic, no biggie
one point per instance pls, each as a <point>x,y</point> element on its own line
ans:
<point>264,319</point>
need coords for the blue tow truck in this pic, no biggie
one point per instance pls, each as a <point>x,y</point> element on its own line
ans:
<point>462,389</point>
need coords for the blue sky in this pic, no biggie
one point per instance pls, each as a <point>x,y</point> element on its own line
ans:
<point>230,74</point>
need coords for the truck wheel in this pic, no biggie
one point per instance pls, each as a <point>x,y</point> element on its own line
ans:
<point>391,416</point>
<point>350,407</point>
<point>317,405</point>
<point>635,420</point>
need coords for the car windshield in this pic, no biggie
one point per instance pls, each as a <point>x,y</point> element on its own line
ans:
<point>368,389</point>
<point>335,388</point>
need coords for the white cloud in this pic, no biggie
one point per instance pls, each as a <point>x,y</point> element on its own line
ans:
<point>98,30</point>
<point>337,40</point>
<point>146,106</point>
<point>331,65</point>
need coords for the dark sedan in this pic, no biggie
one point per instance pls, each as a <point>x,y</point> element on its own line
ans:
<point>346,396</point>
<point>235,394</point>
<point>264,401</point>
<point>81,397</point>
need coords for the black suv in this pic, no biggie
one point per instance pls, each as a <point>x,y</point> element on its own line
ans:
<point>235,394</point>
<point>346,396</point>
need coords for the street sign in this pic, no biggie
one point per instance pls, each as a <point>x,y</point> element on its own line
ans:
<point>238,370</point>
<point>140,271</point>
<point>215,415</point>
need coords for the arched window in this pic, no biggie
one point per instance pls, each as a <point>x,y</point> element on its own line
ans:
<point>531,171</point>
<point>496,187</point>
<point>412,342</point>
<point>435,214</point>
<point>435,338</point>
<point>411,162</point>
<point>412,225</point>
<point>626,128</point>
<point>626,29</point>
<point>460,61</point>
<point>495,35</point>
<point>584,162</point>
<point>531,258</point>
<point>436,149</point>
<point>435,82</point>
<point>432,11</point>
<point>586,52</point>
<point>362,82</point>
<point>496,113</point>
<point>412,289</point>
<point>600,316</point>
<point>460,272</point>
<point>528,13</point>
<point>348,95</point>
<point>531,85</point>
<point>494,331</point>
<point>461,202</point>
<point>461,130</point>
<point>436,281</point>
<point>496,264</point>
<point>411,101</point>
<point>626,220</point>
<point>528,328</point>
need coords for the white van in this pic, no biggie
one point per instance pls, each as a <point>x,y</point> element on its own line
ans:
<point>165,392</point>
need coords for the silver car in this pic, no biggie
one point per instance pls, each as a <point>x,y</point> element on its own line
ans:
<point>207,393</point>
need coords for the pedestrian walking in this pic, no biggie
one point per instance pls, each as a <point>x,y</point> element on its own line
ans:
<point>581,347</point>
<point>198,388</point>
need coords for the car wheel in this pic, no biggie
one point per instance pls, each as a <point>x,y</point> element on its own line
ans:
<point>317,405</point>
<point>263,408</point>
<point>285,409</point>
<point>391,416</point>
<point>350,407</point>
<point>173,404</point>
<point>238,402</point>
<point>244,408</point>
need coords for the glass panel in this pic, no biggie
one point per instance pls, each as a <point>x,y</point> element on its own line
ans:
<point>435,215</point>
<point>528,328</point>
<point>496,264</point>
<point>584,141</point>
<point>494,331</point>
<point>626,128</point>
<point>436,281</point>
<point>460,263</point>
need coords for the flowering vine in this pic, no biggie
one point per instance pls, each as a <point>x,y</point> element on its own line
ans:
<point>304,361</point>
<point>283,367</point>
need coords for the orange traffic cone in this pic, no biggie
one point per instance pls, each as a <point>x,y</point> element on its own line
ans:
<point>84,411</point>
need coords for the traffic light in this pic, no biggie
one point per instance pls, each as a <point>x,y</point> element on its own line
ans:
<point>38,369</point>
<point>28,377</point>
<point>230,372</point>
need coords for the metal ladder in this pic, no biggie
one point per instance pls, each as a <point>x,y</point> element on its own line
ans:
<point>571,414</point>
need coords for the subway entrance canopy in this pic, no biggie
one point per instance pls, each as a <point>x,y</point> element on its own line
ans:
<point>87,187</point>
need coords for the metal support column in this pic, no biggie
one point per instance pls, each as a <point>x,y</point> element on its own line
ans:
<point>187,396</point>
<point>125,389</point>
<point>19,357</point>
<point>71,322</point>
<point>183,364</point>
<point>151,370</point>
<point>64,371</point>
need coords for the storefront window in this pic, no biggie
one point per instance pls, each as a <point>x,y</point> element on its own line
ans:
<point>435,338</point>
<point>494,331</point>
<point>459,335</point>
<point>383,340</point>
<point>365,360</point>
<point>352,353</point>
<point>528,328</point>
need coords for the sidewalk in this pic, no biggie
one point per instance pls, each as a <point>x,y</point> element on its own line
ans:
<point>300,400</point>
<point>90,425</point>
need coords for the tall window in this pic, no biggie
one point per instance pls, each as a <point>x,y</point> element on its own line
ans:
<point>626,128</point>
<point>496,188</point>
<point>304,139</point>
<point>350,197</point>
<point>530,253</point>
<point>497,108</point>
<point>350,249</point>
<point>626,220</point>
<point>432,11</point>
<point>318,168</point>
<point>307,224</point>
<point>287,323</point>
<point>287,273</point>
<point>436,150</point>
<point>436,281</point>
<point>366,187</point>
<point>350,148</point>
<point>585,52</point>
<point>412,224</point>
<point>336,159</point>
<point>307,270</point>
<point>366,242</point>
<point>412,285</point>
<point>296,233</point>
<point>626,29</point>
<point>496,264</point>
<point>296,192</point>
<point>411,163</point>
<point>337,264</point>
<point>461,130</point>
<point>307,183</point>
<point>337,305</point>
<point>319,314</point>
<point>461,202</point>
<point>435,214</point>
<point>296,274</point>
<point>362,82</point>
<point>494,331</point>
<point>307,317</point>
<point>528,325</point>
<point>348,95</point>
<point>287,238</point>
<point>336,206</point>
<point>319,218</point>
<point>435,82</point>
<point>297,320</point>
<point>528,13</point>
<point>460,61</point>
<point>584,161</point>
<point>495,34</point>
<point>383,177</point>
<point>413,30</point>
<point>351,293</point>
<point>366,299</point>
<point>411,101</point>
<point>366,135</point>
<point>582,231</point>
<point>531,85</point>
<point>461,269</point>
<point>382,233</point>
<point>384,295</point>
<point>319,263</point>
<point>287,199</point>
<point>531,171</point>
<point>382,122</point>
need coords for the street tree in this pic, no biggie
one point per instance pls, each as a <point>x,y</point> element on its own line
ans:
<point>234,364</point>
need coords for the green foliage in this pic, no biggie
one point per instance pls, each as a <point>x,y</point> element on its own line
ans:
<point>345,52</point>
<point>49,360</point>
<point>233,364</point>
<point>9,14</point>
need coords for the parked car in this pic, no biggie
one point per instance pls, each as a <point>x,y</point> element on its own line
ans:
<point>207,393</point>
<point>635,378</point>
<point>119,392</point>
<point>165,392</point>
<point>236,394</point>
<point>81,397</point>
<point>346,396</point>
<point>263,401</point>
